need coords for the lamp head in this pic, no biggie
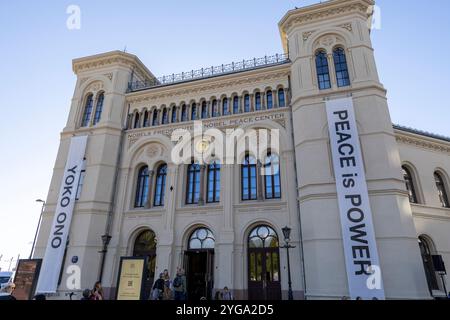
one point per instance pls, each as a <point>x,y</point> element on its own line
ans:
<point>286,233</point>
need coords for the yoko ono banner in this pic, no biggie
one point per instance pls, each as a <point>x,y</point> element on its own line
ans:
<point>51,266</point>
<point>360,248</point>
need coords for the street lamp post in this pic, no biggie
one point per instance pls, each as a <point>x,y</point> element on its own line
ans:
<point>37,228</point>
<point>106,238</point>
<point>287,238</point>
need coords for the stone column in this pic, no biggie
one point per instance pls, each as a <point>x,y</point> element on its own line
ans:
<point>331,71</point>
<point>259,181</point>
<point>274,99</point>
<point>151,187</point>
<point>201,199</point>
<point>252,102</point>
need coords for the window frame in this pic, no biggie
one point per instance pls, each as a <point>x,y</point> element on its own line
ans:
<point>249,167</point>
<point>142,187</point>
<point>193,177</point>
<point>87,110</point>
<point>273,195</point>
<point>214,168</point>
<point>324,71</point>
<point>341,67</point>
<point>160,187</point>
<point>99,108</point>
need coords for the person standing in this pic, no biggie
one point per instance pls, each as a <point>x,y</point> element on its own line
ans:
<point>179,285</point>
<point>158,288</point>
<point>226,294</point>
<point>9,289</point>
<point>167,295</point>
<point>97,292</point>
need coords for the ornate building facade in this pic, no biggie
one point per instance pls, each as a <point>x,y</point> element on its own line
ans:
<point>223,223</point>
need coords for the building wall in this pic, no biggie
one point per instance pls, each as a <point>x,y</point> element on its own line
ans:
<point>308,205</point>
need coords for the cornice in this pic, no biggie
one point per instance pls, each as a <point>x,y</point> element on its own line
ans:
<point>111,58</point>
<point>422,141</point>
<point>322,11</point>
<point>227,81</point>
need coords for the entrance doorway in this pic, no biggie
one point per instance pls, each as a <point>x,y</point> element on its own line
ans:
<point>263,264</point>
<point>199,265</point>
<point>145,246</point>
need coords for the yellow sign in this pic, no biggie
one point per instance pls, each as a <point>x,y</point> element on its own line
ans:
<point>130,279</point>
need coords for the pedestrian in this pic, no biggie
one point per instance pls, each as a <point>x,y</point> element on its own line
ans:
<point>359,298</point>
<point>179,285</point>
<point>87,294</point>
<point>9,290</point>
<point>226,294</point>
<point>40,297</point>
<point>158,288</point>
<point>218,295</point>
<point>167,284</point>
<point>97,292</point>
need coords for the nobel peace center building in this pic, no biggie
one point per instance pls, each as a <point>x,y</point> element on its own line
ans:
<point>338,202</point>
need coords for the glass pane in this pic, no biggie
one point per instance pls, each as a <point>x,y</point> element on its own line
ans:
<point>268,266</point>
<point>263,232</point>
<point>275,267</point>
<point>258,267</point>
<point>255,243</point>
<point>208,244</point>
<point>195,244</point>
<point>252,267</point>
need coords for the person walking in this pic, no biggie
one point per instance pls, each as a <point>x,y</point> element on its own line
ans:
<point>179,285</point>
<point>167,295</point>
<point>9,289</point>
<point>226,294</point>
<point>158,288</point>
<point>97,292</point>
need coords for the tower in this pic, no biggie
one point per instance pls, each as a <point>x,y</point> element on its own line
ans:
<point>312,35</point>
<point>98,111</point>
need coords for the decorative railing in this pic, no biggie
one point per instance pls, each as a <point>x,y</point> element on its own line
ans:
<point>209,72</point>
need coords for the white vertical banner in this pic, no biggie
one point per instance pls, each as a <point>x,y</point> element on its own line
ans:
<point>360,247</point>
<point>54,253</point>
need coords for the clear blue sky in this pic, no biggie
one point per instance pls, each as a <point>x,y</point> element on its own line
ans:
<point>37,83</point>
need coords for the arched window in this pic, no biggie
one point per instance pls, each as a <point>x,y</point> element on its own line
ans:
<point>99,108</point>
<point>272,176</point>
<point>155,118</point>
<point>248,178</point>
<point>146,119</point>
<point>142,188</point>
<point>247,103</point>
<point>427,259</point>
<point>145,246</point>
<point>201,238</point>
<point>409,182</point>
<point>281,98</point>
<point>442,192</point>
<point>236,104</point>
<point>193,183</point>
<point>213,186</point>
<point>160,186</point>
<point>214,108</point>
<point>323,72</point>
<point>183,113</point>
<point>194,112</point>
<point>165,116</point>
<point>263,237</point>
<point>340,65</point>
<point>269,98</point>
<point>87,111</point>
<point>137,118</point>
<point>263,264</point>
<point>174,114</point>
<point>225,106</point>
<point>204,110</point>
<point>258,101</point>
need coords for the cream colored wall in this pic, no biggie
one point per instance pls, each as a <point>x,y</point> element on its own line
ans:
<point>325,26</point>
<point>425,156</point>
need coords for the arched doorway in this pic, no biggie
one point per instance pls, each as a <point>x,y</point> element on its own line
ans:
<point>199,264</point>
<point>145,246</point>
<point>263,264</point>
<point>427,250</point>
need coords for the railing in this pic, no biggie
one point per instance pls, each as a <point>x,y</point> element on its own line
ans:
<point>209,72</point>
